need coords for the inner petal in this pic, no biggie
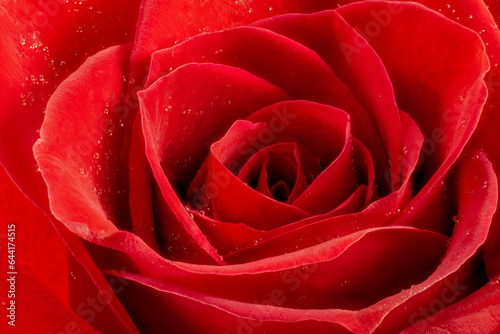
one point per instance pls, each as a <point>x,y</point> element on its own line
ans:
<point>287,164</point>
<point>280,191</point>
<point>281,171</point>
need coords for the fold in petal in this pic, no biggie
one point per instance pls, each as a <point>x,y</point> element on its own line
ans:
<point>173,140</point>
<point>303,76</point>
<point>445,103</point>
<point>195,105</point>
<point>38,243</point>
<point>234,201</point>
<point>57,298</point>
<point>362,71</point>
<point>79,145</point>
<point>165,23</point>
<point>360,254</point>
<point>390,314</point>
<point>47,312</point>
<point>479,311</point>
<point>34,62</point>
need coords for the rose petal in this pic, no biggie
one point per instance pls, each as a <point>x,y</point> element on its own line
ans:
<point>80,173</point>
<point>141,182</point>
<point>52,294</point>
<point>476,206</point>
<point>162,24</point>
<point>35,60</point>
<point>304,76</point>
<point>197,104</point>
<point>478,312</point>
<point>231,199</point>
<point>469,234</point>
<point>439,98</point>
<point>33,233</point>
<point>362,71</point>
<point>303,233</point>
<point>321,128</point>
<point>283,161</point>
<point>167,120</point>
<point>229,237</point>
<point>48,313</point>
<point>316,271</point>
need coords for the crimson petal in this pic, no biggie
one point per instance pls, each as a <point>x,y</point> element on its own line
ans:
<point>80,173</point>
<point>35,62</point>
<point>362,71</point>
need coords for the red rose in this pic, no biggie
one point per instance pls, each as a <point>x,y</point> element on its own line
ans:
<point>250,167</point>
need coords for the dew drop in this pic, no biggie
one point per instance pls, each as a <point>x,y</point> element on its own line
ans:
<point>455,219</point>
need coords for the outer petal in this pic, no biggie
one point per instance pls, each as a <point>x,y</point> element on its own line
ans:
<point>476,210</point>
<point>165,23</point>
<point>53,290</point>
<point>42,42</point>
<point>479,313</point>
<point>33,234</point>
<point>363,72</point>
<point>80,140</point>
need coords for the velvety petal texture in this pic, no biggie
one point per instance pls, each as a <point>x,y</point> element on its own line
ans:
<point>54,291</point>
<point>42,43</point>
<point>250,166</point>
